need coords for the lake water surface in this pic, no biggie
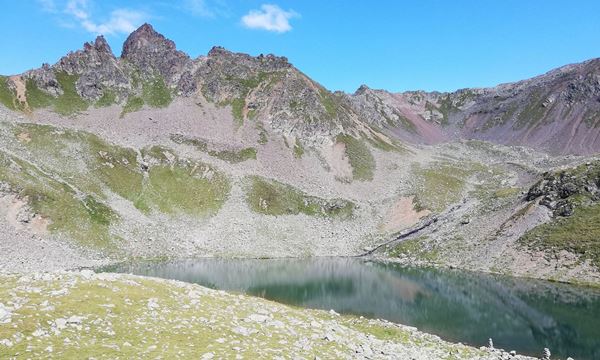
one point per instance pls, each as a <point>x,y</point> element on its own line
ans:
<point>519,314</point>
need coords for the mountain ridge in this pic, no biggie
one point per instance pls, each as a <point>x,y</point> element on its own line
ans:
<point>531,112</point>
<point>154,153</point>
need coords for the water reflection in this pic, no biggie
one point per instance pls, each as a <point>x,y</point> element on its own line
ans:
<point>519,314</point>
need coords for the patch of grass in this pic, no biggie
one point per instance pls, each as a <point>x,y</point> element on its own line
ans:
<point>133,104</point>
<point>7,97</point>
<point>108,98</point>
<point>231,156</point>
<point>578,233</point>
<point>439,186</point>
<point>379,143</point>
<point>329,103</point>
<point>237,110</point>
<point>124,316</point>
<point>182,185</point>
<point>446,107</point>
<point>69,102</point>
<point>36,98</point>
<point>244,86</point>
<point>414,248</point>
<point>532,113</point>
<point>271,197</point>
<point>506,192</point>
<point>156,93</point>
<point>188,187</point>
<point>298,149</point>
<point>263,136</point>
<point>86,220</point>
<point>79,169</point>
<point>360,157</point>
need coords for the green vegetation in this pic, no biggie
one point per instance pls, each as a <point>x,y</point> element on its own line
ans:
<point>446,108</point>
<point>69,102</point>
<point>85,219</point>
<point>231,156</point>
<point>414,248</point>
<point>578,233</point>
<point>298,149</point>
<point>328,103</point>
<point>532,113</point>
<point>439,186</point>
<point>263,136</point>
<point>36,98</point>
<point>271,197</point>
<point>387,145</point>
<point>244,87</point>
<point>108,98</point>
<point>156,93</point>
<point>7,97</point>
<point>360,157</point>
<point>407,124</point>
<point>506,192</point>
<point>237,110</point>
<point>183,186</point>
<point>124,316</point>
<point>133,104</point>
<point>78,206</point>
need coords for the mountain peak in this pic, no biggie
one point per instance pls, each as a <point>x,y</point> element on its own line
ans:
<point>144,38</point>
<point>99,45</point>
<point>151,52</point>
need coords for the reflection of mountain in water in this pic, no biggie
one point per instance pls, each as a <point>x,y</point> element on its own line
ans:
<point>519,314</point>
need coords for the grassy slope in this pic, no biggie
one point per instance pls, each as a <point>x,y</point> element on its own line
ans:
<point>271,197</point>
<point>121,316</point>
<point>579,233</point>
<point>231,156</point>
<point>76,171</point>
<point>360,157</point>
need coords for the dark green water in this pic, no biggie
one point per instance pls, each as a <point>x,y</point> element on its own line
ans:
<point>518,314</point>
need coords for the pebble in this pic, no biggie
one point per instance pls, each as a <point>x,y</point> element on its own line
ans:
<point>5,314</point>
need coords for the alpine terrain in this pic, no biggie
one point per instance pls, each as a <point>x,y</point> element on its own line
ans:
<point>154,154</point>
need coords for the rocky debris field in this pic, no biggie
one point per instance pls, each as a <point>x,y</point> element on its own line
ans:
<point>88,315</point>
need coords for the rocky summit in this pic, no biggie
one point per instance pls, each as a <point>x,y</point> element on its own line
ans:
<point>155,154</point>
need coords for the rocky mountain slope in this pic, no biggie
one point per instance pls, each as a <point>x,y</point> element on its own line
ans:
<point>155,153</point>
<point>558,111</point>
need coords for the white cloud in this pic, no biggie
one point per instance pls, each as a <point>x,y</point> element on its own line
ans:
<point>78,12</point>
<point>270,18</point>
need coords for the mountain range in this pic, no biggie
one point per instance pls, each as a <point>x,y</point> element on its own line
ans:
<point>154,153</point>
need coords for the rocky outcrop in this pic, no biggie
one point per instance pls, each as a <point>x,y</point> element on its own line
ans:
<point>563,191</point>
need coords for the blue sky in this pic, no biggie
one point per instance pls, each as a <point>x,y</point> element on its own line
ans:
<point>395,45</point>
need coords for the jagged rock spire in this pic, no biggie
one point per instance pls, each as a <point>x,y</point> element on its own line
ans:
<point>153,53</point>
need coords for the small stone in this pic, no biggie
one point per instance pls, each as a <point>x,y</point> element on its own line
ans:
<point>87,273</point>
<point>60,323</point>
<point>208,356</point>
<point>5,314</point>
<point>257,318</point>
